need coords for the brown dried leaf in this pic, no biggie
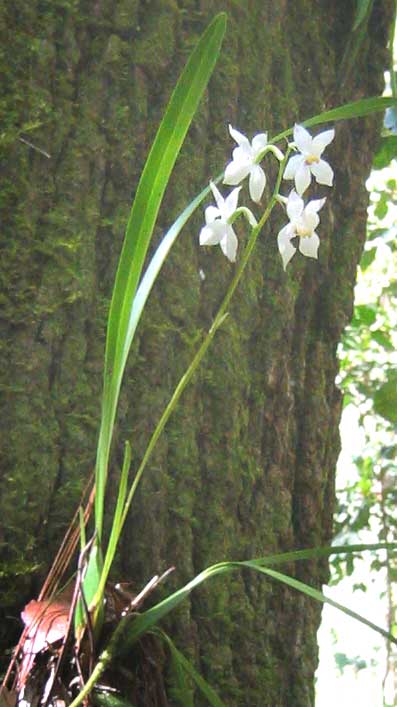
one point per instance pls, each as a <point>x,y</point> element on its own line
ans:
<point>8,698</point>
<point>46,623</point>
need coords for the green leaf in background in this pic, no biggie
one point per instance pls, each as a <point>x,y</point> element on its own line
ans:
<point>367,258</point>
<point>383,339</point>
<point>364,314</point>
<point>382,206</point>
<point>386,152</point>
<point>385,398</point>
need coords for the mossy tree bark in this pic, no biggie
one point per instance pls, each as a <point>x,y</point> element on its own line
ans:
<point>247,463</point>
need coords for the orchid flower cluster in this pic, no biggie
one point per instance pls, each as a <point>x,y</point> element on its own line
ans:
<point>301,167</point>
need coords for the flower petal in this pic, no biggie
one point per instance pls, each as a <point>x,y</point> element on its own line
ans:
<point>213,234</point>
<point>310,220</point>
<point>243,153</point>
<point>259,142</point>
<point>287,250</point>
<point>236,171</point>
<point>323,173</point>
<point>295,206</point>
<point>302,178</point>
<point>229,244</point>
<point>309,246</point>
<point>231,202</point>
<point>292,165</point>
<point>218,196</point>
<point>303,139</point>
<point>257,183</point>
<point>211,213</point>
<point>239,137</point>
<point>321,141</point>
<point>315,205</point>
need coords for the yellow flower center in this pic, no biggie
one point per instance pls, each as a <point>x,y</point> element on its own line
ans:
<point>312,159</point>
<point>303,232</point>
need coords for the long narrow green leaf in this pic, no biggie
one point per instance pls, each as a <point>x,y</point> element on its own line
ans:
<point>131,628</point>
<point>319,596</point>
<point>152,616</point>
<point>363,9</point>
<point>355,40</point>
<point>160,162</point>
<point>163,154</point>
<point>159,258</point>
<point>180,689</point>
<point>184,665</point>
<point>317,553</point>
<point>357,109</point>
<point>117,524</point>
<point>91,582</point>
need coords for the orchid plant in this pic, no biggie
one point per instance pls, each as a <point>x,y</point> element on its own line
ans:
<point>298,234</point>
<point>130,294</point>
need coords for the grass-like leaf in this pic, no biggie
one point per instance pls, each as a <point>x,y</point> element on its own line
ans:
<point>355,40</point>
<point>356,109</point>
<point>159,257</point>
<point>160,162</point>
<point>183,666</point>
<point>152,616</point>
<point>363,9</point>
<point>131,628</point>
<point>117,523</point>
<point>150,191</point>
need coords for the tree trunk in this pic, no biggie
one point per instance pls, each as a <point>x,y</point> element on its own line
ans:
<point>246,465</point>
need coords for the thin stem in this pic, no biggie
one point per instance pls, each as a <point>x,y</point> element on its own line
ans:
<point>218,321</point>
<point>100,667</point>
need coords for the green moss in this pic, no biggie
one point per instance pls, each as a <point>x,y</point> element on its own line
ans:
<point>117,51</point>
<point>126,15</point>
<point>154,44</point>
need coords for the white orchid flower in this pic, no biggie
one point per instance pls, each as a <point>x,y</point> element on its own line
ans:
<point>218,230</point>
<point>245,162</point>
<point>302,167</point>
<point>303,220</point>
